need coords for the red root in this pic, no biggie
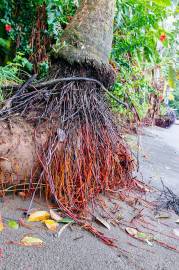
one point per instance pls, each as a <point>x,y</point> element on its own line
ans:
<point>80,172</point>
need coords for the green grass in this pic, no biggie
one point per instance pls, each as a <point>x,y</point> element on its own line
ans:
<point>9,75</point>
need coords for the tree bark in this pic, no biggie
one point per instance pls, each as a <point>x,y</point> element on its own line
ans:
<point>89,35</point>
<point>87,40</point>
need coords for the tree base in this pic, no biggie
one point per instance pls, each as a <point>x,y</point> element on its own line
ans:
<point>67,137</point>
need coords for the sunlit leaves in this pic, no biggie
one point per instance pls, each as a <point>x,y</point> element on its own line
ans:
<point>137,32</point>
<point>58,14</point>
<point>171,76</point>
<point>163,3</point>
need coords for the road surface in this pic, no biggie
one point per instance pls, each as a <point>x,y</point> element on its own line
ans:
<point>78,250</point>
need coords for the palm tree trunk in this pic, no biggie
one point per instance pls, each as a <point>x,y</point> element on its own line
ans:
<point>87,40</point>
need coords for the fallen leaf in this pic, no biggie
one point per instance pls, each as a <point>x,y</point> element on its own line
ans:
<point>103,222</point>
<point>131,231</point>
<point>140,235</point>
<point>39,216</point>
<point>176,232</point>
<point>1,224</point>
<point>145,236</point>
<point>55,216</point>
<point>163,215</point>
<point>13,224</point>
<point>31,241</point>
<point>66,220</point>
<point>51,224</point>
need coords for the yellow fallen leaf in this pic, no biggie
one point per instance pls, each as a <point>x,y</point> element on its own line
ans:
<point>39,216</point>
<point>51,224</point>
<point>1,224</point>
<point>31,241</point>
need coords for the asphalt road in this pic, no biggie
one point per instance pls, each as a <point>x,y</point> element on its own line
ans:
<point>78,250</point>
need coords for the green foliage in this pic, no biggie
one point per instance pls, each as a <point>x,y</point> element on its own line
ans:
<point>58,15</point>
<point>137,32</point>
<point>20,16</point>
<point>138,28</point>
<point>23,62</point>
<point>9,75</point>
<point>169,61</point>
<point>25,21</point>
<point>133,88</point>
<point>175,103</point>
<point>43,69</point>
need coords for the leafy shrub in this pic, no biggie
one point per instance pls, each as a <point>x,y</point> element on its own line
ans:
<point>29,28</point>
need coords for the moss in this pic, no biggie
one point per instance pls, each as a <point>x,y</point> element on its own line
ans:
<point>73,37</point>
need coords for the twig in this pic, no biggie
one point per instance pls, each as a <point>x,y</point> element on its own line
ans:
<point>168,200</point>
<point>62,229</point>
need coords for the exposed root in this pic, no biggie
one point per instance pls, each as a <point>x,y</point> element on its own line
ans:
<point>168,200</point>
<point>85,154</point>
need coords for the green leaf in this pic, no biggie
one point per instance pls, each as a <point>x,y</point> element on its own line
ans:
<point>66,220</point>
<point>13,224</point>
<point>171,77</point>
<point>4,43</point>
<point>163,3</point>
<point>141,235</point>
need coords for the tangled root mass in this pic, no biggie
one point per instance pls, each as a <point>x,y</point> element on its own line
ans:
<point>85,154</point>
